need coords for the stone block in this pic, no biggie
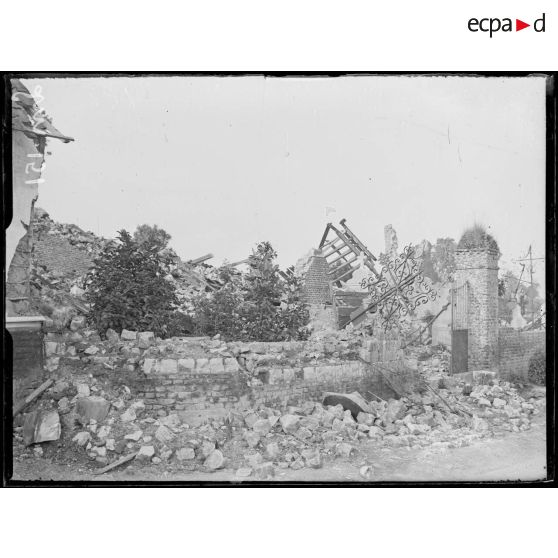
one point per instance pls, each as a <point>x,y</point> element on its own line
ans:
<point>145,339</point>
<point>231,365</point>
<point>149,366</point>
<point>275,376</point>
<point>216,365</point>
<point>128,335</point>
<point>309,373</point>
<point>186,364</point>
<point>202,365</point>
<point>41,426</point>
<point>92,408</point>
<point>288,374</point>
<point>168,366</point>
<point>51,348</point>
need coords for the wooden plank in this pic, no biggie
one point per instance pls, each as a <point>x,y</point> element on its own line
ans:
<point>348,262</point>
<point>352,270</point>
<point>337,249</point>
<point>32,396</point>
<point>340,257</point>
<point>117,463</point>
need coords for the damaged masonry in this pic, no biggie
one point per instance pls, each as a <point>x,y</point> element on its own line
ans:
<point>350,358</point>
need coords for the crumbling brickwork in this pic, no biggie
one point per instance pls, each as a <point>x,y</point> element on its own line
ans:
<point>515,350</point>
<point>201,384</point>
<point>57,254</point>
<point>479,268</point>
<point>316,283</point>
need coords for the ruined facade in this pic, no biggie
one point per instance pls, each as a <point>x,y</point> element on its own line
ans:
<point>30,130</point>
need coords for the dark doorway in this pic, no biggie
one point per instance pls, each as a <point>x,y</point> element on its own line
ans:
<point>459,350</point>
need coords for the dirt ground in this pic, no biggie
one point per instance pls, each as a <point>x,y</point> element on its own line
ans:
<point>511,456</point>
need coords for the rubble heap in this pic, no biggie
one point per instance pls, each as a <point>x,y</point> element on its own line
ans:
<point>94,419</point>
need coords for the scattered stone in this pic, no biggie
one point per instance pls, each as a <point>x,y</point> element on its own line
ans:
<point>163,434</point>
<point>215,460</point>
<point>264,471</point>
<point>185,454</point>
<point>134,436</point>
<point>207,448</point>
<point>145,453</point>
<point>78,322</point>
<point>289,423</point>
<point>83,390</point>
<point>252,438</point>
<point>64,405</point>
<point>41,426</point>
<point>251,419</point>
<point>81,438</point>
<point>272,450</point>
<point>366,472</point>
<point>244,472</point>
<point>497,403</point>
<point>156,460</point>
<point>344,449</point>
<point>128,416</point>
<point>92,407</point>
<point>262,426</point>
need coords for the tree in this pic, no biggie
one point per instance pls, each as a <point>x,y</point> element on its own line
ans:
<point>148,235</point>
<point>127,289</point>
<point>262,305</point>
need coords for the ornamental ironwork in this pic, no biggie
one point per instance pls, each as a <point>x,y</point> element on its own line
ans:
<point>398,289</point>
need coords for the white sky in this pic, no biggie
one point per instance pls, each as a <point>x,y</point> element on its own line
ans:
<point>222,163</point>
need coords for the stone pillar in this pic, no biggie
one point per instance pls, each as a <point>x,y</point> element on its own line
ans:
<point>478,267</point>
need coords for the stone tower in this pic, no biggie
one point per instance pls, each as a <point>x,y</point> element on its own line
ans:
<point>476,275</point>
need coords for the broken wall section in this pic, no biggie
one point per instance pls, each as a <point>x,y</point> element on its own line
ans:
<point>516,349</point>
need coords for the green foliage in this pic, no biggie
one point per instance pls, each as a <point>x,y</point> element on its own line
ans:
<point>152,236</point>
<point>537,368</point>
<point>443,258</point>
<point>259,306</point>
<point>127,289</point>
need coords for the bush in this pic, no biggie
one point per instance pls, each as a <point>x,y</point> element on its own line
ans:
<point>262,305</point>
<point>537,368</point>
<point>127,289</point>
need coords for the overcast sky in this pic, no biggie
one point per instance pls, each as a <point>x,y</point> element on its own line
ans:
<point>224,162</point>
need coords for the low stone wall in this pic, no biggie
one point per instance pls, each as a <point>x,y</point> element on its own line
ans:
<point>202,384</point>
<point>200,374</point>
<point>515,350</point>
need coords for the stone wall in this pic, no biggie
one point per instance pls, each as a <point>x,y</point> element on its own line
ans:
<point>515,350</point>
<point>479,268</point>
<point>193,375</point>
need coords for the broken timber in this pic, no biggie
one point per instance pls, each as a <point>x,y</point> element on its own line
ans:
<point>31,397</point>
<point>344,249</point>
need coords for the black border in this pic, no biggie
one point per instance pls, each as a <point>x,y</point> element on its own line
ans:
<point>551,167</point>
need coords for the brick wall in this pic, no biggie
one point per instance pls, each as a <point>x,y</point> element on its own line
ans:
<point>516,348</point>
<point>316,289</point>
<point>57,254</point>
<point>479,268</point>
<point>203,384</point>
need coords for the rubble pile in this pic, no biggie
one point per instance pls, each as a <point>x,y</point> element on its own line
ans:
<point>84,240</point>
<point>95,420</point>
